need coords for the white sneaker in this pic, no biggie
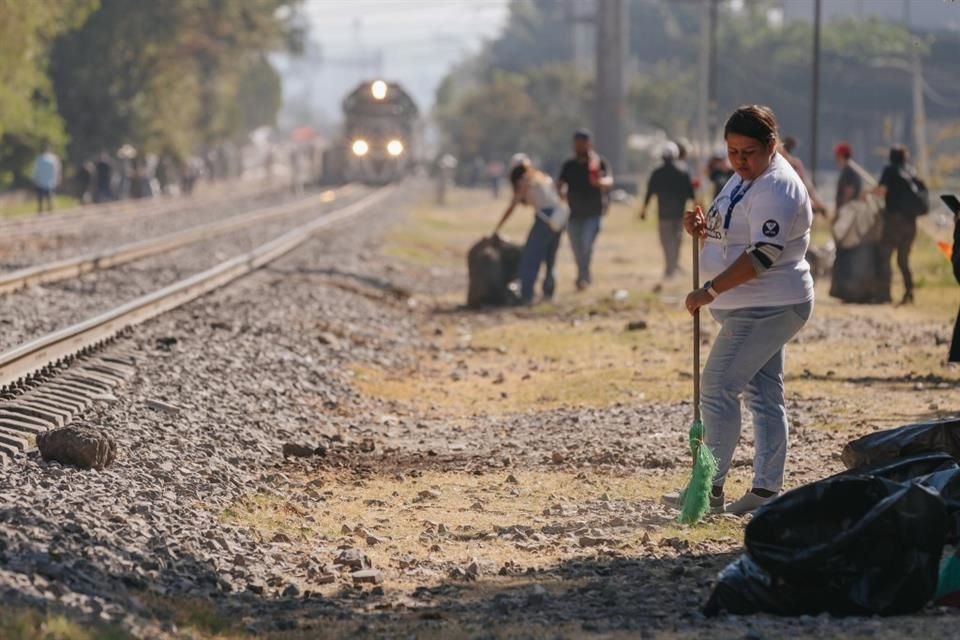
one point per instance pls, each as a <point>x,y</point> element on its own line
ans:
<point>748,503</point>
<point>674,499</point>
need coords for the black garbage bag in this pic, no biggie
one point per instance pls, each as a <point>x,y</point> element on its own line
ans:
<point>744,588</point>
<point>942,435</point>
<point>854,276</point>
<point>911,467</point>
<point>947,484</point>
<point>845,545</point>
<point>492,264</point>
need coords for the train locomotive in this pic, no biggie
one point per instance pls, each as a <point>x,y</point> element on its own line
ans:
<point>380,131</point>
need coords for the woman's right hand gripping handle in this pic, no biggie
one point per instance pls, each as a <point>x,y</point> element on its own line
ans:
<point>695,222</point>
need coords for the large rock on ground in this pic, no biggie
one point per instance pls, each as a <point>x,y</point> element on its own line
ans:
<point>78,445</point>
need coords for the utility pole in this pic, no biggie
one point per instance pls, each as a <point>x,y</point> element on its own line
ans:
<point>713,104</point>
<point>703,106</point>
<point>919,110</point>
<point>919,115</point>
<point>610,95</point>
<point>581,14</point>
<point>914,67</point>
<point>815,92</point>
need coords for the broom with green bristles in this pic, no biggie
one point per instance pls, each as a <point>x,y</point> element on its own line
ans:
<point>695,499</point>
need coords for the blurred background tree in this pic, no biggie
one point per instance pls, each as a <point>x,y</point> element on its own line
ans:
<point>167,77</point>
<point>759,60</point>
<point>28,107</point>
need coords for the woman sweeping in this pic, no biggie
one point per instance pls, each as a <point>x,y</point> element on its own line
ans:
<point>537,189</point>
<point>757,285</point>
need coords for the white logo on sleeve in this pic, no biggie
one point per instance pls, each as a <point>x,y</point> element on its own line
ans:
<point>771,228</point>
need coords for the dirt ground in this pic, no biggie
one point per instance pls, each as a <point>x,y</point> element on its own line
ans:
<point>506,478</point>
<point>524,500</point>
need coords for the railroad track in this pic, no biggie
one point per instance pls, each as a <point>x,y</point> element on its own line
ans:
<point>105,259</point>
<point>45,382</point>
<point>124,211</point>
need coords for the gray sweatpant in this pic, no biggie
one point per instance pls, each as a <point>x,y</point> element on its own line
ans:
<point>671,237</point>
<point>747,358</point>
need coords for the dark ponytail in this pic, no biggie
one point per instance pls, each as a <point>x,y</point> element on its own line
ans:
<point>753,121</point>
<point>898,155</point>
<point>516,174</point>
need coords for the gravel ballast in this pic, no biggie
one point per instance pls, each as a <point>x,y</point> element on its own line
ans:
<point>240,393</point>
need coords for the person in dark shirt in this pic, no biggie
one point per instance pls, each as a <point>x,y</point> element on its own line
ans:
<point>850,184</point>
<point>787,150</point>
<point>899,224</point>
<point>103,179</point>
<point>718,172</point>
<point>955,260</point>
<point>584,181</point>
<point>673,188</point>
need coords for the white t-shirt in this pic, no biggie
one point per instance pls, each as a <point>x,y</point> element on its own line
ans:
<point>774,209</point>
<point>541,193</point>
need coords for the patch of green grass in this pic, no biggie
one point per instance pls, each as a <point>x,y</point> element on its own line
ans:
<point>196,617</point>
<point>202,616</point>
<point>713,529</point>
<point>28,206</point>
<point>930,267</point>
<point>603,306</point>
<point>271,516</point>
<point>18,623</point>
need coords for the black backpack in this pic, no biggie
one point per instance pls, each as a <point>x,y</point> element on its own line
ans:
<point>917,201</point>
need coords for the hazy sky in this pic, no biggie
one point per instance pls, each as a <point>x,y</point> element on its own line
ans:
<point>419,40</point>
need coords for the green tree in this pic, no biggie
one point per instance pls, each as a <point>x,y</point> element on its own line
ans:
<point>533,55</point>
<point>535,113</point>
<point>758,61</point>
<point>28,110</point>
<point>169,77</point>
<point>534,35</point>
<point>765,64</point>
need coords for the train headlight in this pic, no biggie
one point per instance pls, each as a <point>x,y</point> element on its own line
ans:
<point>360,147</point>
<point>395,148</point>
<point>378,90</point>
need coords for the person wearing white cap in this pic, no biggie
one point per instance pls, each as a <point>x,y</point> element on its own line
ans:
<point>535,188</point>
<point>518,159</point>
<point>673,188</point>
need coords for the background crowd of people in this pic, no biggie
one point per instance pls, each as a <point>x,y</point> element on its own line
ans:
<point>584,181</point>
<point>128,173</point>
<point>754,240</point>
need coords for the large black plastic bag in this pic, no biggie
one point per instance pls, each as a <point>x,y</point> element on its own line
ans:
<point>912,467</point>
<point>947,484</point>
<point>745,588</point>
<point>855,274</point>
<point>492,264</point>
<point>943,435</point>
<point>844,545</point>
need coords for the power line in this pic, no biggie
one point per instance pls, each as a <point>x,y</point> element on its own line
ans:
<point>938,98</point>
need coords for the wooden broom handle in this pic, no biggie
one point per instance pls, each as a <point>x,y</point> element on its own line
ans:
<point>696,332</point>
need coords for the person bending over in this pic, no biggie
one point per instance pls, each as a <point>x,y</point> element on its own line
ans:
<point>535,188</point>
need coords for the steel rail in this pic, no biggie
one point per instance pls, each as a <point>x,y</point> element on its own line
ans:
<point>39,354</point>
<point>112,207</point>
<point>121,211</point>
<point>107,258</point>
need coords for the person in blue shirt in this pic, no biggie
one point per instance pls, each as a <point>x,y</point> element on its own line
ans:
<point>46,178</point>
